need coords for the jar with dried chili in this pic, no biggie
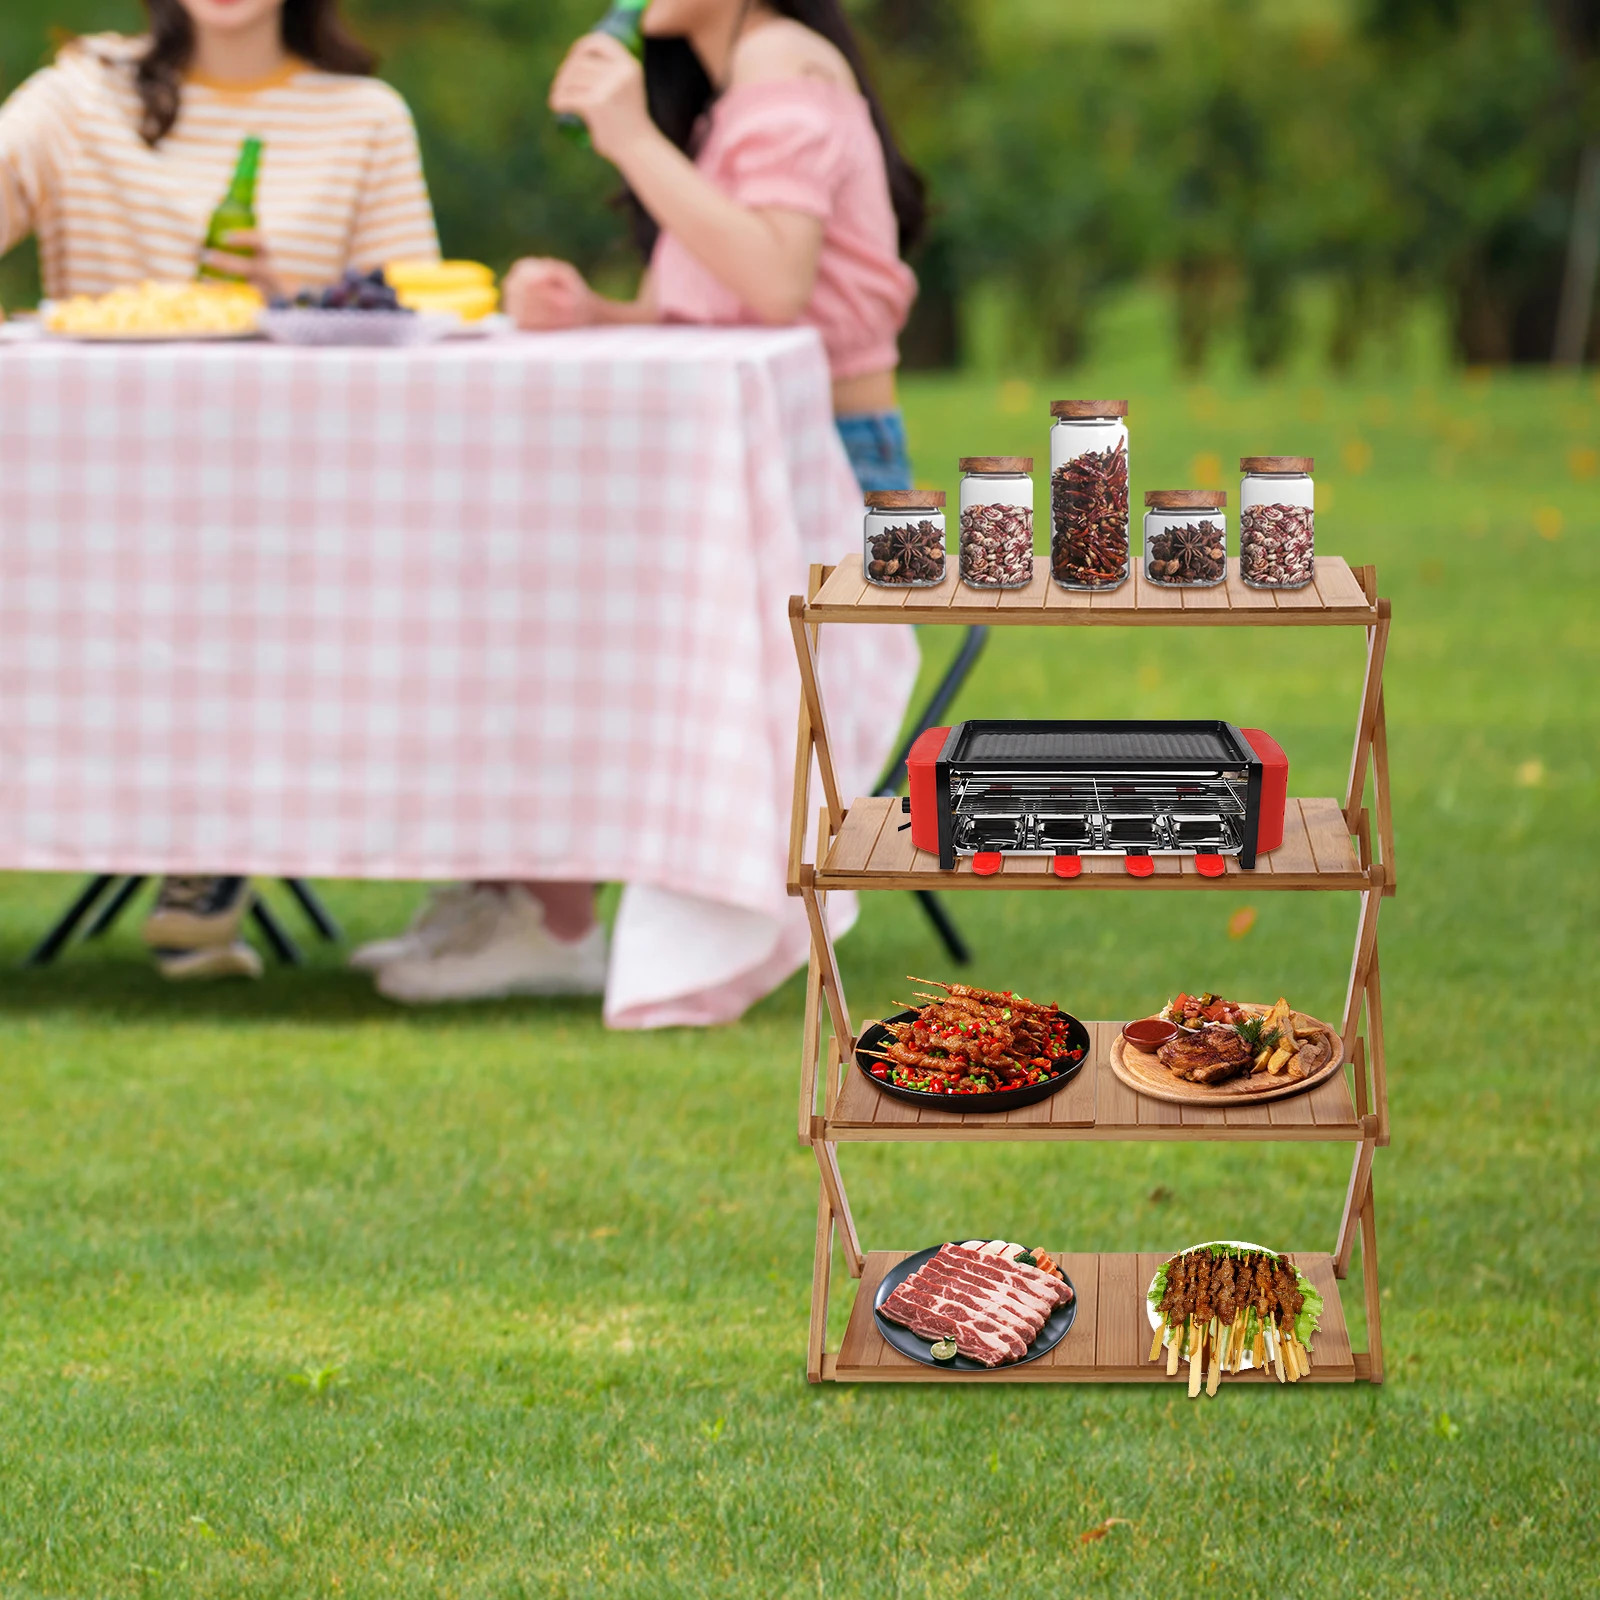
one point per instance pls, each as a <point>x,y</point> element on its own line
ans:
<point>1089,493</point>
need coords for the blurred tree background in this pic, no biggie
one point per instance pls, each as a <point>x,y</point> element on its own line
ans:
<point>1254,158</point>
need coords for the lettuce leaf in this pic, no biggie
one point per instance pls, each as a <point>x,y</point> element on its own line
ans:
<point>1158,1289</point>
<point>1310,1313</point>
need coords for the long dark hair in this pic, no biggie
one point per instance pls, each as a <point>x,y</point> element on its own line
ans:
<point>312,30</point>
<point>679,91</point>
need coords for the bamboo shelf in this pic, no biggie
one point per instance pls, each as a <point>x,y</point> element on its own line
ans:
<point>1334,599</point>
<point>873,850</point>
<point>1096,1104</point>
<point>1328,845</point>
<point>1108,1342</point>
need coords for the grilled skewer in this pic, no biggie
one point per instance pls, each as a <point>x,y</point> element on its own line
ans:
<point>1227,1308</point>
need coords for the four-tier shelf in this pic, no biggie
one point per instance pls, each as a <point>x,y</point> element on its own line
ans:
<point>1327,844</point>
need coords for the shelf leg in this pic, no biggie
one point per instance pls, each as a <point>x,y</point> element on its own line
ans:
<point>1367,721</point>
<point>1380,794</point>
<point>1369,1278</point>
<point>822,949</point>
<point>1356,1197</point>
<point>833,1188</point>
<point>810,1048</point>
<point>821,1273</point>
<point>1380,1076</point>
<point>811,691</point>
<point>1360,965</point>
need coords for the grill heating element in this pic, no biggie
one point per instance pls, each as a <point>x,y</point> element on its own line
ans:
<point>1096,788</point>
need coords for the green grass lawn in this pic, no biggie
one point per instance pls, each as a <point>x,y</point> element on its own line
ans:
<point>302,1295</point>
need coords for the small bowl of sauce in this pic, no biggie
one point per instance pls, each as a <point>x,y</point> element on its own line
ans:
<point>1149,1034</point>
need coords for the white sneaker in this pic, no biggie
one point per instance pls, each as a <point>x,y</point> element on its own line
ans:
<point>196,913</point>
<point>502,947</point>
<point>443,911</point>
<point>234,959</point>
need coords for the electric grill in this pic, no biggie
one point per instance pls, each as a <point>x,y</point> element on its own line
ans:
<point>1096,788</point>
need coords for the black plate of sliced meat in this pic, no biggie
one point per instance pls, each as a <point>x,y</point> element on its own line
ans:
<point>1000,1312</point>
<point>875,1039</point>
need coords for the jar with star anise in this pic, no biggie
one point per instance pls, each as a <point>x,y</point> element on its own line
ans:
<point>902,541</point>
<point>1185,538</point>
<point>1089,493</point>
<point>997,521</point>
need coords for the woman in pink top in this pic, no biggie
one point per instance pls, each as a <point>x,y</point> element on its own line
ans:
<point>767,185</point>
<point>767,188</point>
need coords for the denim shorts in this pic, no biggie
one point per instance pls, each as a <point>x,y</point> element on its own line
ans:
<point>875,441</point>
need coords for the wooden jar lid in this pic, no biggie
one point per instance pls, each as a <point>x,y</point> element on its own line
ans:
<point>1088,408</point>
<point>995,464</point>
<point>1186,499</point>
<point>1276,463</point>
<point>906,499</point>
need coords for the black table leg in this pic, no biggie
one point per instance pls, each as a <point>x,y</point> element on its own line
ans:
<point>286,950</point>
<point>49,947</point>
<point>311,903</point>
<point>113,908</point>
<point>944,927</point>
<point>956,674</point>
<point>949,687</point>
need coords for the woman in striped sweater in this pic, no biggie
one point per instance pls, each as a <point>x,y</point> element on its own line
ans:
<point>116,156</point>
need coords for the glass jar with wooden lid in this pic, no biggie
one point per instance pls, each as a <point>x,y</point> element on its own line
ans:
<point>902,541</point>
<point>1089,493</point>
<point>997,521</point>
<point>1185,538</point>
<point>1277,516</point>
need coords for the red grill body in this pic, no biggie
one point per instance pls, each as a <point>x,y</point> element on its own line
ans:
<point>1065,789</point>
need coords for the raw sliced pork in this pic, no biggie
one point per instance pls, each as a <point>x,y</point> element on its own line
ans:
<point>978,1294</point>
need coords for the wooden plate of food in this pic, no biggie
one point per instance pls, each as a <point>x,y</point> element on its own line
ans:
<point>974,1306</point>
<point>1231,1053</point>
<point>973,1050</point>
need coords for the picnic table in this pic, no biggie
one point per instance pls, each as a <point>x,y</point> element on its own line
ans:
<point>496,609</point>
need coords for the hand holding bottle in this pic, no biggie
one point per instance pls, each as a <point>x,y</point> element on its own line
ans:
<point>603,83</point>
<point>247,259</point>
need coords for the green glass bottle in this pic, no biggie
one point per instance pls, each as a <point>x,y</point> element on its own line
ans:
<point>237,213</point>
<point>621,21</point>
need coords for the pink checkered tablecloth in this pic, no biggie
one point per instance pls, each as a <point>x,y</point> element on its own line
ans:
<point>495,609</point>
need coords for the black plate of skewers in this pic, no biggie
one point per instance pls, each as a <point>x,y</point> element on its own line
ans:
<point>876,1039</point>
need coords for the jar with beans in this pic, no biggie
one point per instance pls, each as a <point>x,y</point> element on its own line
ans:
<point>997,521</point>
<point>1276,522</point>
<point>1089,493</point>
<point>1185,538</point>
<point>902,542</point>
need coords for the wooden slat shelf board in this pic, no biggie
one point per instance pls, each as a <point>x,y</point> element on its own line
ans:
<point>1096,1105</point>
<point>874,851</point>
<point>1108,1342</point>
<point>1333,599</point>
